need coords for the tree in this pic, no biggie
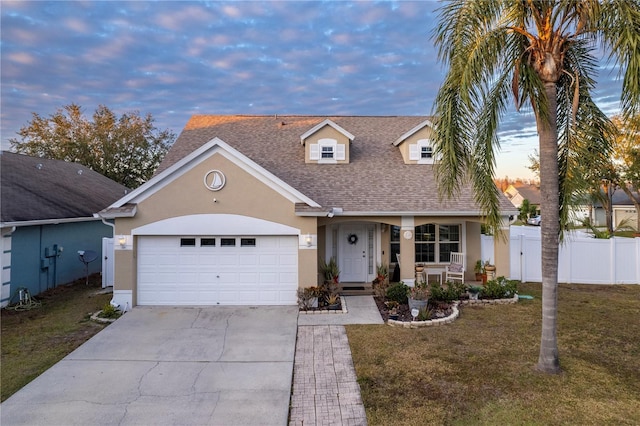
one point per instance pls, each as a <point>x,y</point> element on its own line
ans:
<point>126,149</point>
<point>525,210</point>
<point>541,52</point>
<point>626,158</point>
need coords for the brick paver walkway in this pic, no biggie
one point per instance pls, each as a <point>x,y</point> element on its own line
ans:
<point>325,390</point>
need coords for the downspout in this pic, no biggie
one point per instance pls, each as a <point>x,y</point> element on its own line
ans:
<point>113,235</point>
<point>112,225</point>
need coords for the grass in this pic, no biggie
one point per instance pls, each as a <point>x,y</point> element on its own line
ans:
<point>480,370</point>
<point>34,340</point>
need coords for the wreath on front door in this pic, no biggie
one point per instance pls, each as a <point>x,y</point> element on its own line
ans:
<point>352,238</point>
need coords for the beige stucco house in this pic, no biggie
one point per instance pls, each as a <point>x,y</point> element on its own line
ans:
<point>243,208</point>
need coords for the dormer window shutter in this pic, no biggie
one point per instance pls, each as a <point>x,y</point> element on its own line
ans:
<point>340,152</point>
<point>314,151</point>
<point>414,152</point>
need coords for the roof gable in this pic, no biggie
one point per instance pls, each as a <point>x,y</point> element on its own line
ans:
<point>413,131</point>
<point>213,147</point>
<point>319,126</point>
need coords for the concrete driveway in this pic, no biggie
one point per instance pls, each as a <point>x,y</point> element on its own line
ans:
<point>165,365</point>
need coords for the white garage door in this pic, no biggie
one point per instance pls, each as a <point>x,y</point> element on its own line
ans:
<point>261,270</point>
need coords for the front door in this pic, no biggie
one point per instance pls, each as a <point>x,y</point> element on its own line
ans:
<point>353,253</point>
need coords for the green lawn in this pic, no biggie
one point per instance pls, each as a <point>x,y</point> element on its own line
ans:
<point>34,340</point>
<point>480,369</point>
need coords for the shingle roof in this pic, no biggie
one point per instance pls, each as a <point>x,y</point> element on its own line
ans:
<point>530,192</point>
<point>375,180</point>
<point>39,189</point>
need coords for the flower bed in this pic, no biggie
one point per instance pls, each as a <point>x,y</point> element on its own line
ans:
<point>443,301</point>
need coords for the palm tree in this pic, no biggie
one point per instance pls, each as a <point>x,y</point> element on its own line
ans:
<point>541,53</point>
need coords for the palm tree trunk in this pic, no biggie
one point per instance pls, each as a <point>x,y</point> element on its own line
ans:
<point>548,360</point>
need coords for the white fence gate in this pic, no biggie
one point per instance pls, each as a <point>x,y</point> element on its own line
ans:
<point>582,259</point>
<point>108,264</point>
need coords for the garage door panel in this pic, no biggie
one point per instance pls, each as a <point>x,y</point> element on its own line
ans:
<point>189,259</point>
<point>288,278</point>
<point>228,259</point>
<point>287,260</point>
<point>247,260</point>
<point>169,274</point>
<point>248,278</point>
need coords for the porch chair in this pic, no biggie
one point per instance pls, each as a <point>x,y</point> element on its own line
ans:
<point>455,269</point>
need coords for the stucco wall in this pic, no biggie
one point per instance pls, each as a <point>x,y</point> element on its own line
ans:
<point>326,132</point>
<point>424,133</point>
<point>243,194</point>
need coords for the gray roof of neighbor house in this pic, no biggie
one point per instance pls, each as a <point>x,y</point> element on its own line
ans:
<point>529,192</point>
<point>375,180</point>
<point>620,198</point>
<point>34,189</point>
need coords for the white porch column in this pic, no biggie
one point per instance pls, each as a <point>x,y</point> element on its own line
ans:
<point>407,250</point>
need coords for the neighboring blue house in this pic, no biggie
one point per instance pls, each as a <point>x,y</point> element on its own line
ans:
<point>47,211</point>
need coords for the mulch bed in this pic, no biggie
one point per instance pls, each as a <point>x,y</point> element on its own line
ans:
<point>322,308</point>
<point>404,314</point>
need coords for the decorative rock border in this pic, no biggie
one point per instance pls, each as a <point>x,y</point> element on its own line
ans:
<point>514,299</point>
<point>455,313</point>
<point>343,303</point>
<point>417,324</point>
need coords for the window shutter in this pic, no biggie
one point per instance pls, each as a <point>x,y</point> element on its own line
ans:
<point>314,151</point>
<point>414,152</point>
<point>340,152</point>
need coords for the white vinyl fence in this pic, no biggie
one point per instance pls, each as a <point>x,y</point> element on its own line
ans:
<point>582,259</point>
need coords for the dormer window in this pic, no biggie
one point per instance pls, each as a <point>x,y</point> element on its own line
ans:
<point>421,151</point>
<point>426,152</point>
<point>415,145</point>
<point>327,151</point>
<point>326,143</point>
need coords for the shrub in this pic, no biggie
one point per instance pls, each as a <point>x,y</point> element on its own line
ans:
<point>380,288</point>
<point>425,313</point>
<point>109,311</point>
<point>500,288</point>
<point>449,292</point>
<point>398,293</point>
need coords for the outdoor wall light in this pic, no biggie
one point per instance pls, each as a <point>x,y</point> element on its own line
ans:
<point>308,239</point>
<point>122,240</point>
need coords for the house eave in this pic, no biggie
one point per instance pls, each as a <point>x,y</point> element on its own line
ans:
<point>128,210</point>
<point>413,131</point>
<point>319,126</point>
<point>448,213</point>
<point>18,224</point>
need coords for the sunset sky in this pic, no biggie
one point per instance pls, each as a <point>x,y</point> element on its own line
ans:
<point>176,59</point>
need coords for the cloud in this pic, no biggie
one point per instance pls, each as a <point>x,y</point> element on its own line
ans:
<point>174,59</point>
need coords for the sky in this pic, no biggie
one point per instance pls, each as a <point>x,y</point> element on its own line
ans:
<point>176,59</point>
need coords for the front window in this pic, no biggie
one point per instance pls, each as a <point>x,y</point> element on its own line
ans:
<point>395,243</point>
<point>449,241</point>
<point>433,243</point>
<point>425,237</point>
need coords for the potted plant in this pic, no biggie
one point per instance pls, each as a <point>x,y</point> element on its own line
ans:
<point>333,300</point>
<point>479,270</point>
<point>489,270</point>
<point>419,296</point>
<point>392,305</point>
<point>311,295</point>
<point>329,271</point>
<point>474,292</point>
<point>382,272</point>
